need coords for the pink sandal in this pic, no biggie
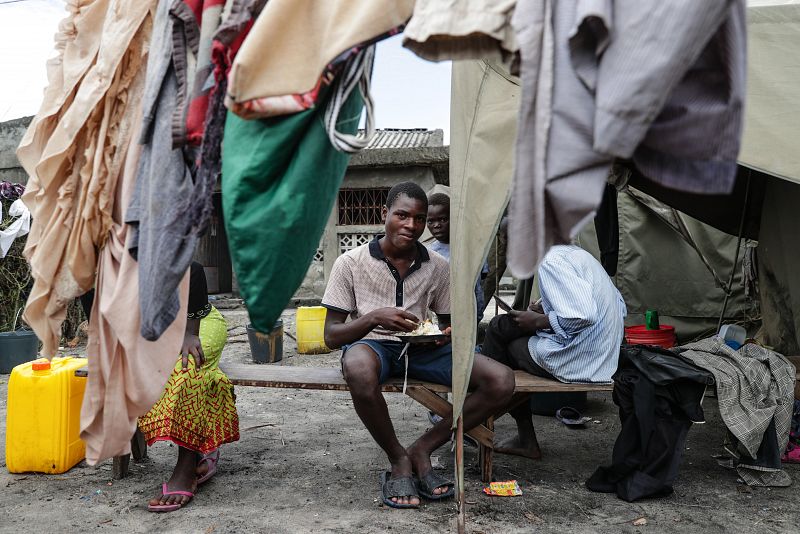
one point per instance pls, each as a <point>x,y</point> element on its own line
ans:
<point>213,459</point>
<point>170,507</point>
<point>792,454</point>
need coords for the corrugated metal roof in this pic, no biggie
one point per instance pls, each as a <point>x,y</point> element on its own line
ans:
<point>405,138</point>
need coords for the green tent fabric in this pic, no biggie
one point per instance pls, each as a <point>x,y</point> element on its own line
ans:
<point>280,178</point>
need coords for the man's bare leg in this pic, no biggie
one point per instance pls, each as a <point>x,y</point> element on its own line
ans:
<point>524,443</point>
<point>362,372</point>
<point>492,385</point>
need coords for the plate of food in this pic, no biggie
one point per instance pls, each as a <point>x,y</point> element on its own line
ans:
<point>425,332</point>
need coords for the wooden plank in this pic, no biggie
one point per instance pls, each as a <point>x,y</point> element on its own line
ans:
<point>119,467</point>
<point>322,378</point>
<point>486,455</point>
<point>138,446</point>
<point>330,378</point>
<point>442,408</point>
<point>527,383</point>
<point>462,505</point>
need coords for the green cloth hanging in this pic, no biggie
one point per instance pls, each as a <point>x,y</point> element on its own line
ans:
<point>280,177</point>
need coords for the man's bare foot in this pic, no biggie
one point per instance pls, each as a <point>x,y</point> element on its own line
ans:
<point>517,447</point>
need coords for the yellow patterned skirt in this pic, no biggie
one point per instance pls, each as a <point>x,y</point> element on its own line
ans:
<point>197,409</point>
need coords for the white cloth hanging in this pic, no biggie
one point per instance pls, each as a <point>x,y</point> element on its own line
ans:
<point>18,228</point>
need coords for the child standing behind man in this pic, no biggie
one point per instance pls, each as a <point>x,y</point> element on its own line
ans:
<point>439,226</point>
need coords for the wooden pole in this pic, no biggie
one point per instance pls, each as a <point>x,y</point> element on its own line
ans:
<point>460,474</point>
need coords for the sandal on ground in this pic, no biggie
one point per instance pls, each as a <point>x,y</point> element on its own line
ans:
<point>213,459</point>
<point>792,454</point>
<point>572,417</point>
<point>397,487</point>
<point>432,480</point>
<point>170,507</point>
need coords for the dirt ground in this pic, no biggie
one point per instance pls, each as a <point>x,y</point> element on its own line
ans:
<point>305,463</point>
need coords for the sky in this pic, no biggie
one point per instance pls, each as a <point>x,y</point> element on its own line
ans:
<point>409,92</point>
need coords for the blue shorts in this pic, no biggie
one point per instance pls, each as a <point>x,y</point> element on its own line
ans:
<point>427,363</point>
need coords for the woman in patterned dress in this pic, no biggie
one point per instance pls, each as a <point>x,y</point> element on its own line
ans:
<point>197,410</point>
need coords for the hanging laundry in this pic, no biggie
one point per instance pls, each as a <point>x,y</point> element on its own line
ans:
<point>288,52</point>
<point>617,79</point>
<point>18,227</point>
<point>462,29</point>
<point>280,180</point>
<point>238,18</point>
<point>275,106</point>
<point>127,374</point>
<point>11,192</point>
<point>165,213</point>
<point>73,151</point>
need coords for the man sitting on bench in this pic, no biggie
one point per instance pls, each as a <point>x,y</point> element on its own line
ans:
<point>573,334</point>
<point>388,286</point>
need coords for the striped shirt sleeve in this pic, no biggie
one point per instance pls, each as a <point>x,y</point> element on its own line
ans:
<point>339,293</point>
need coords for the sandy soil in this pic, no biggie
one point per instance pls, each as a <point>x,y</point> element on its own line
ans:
<point>306,464</point>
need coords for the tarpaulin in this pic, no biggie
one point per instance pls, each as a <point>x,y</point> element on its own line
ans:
<point>483,128</point>
<point>769,143</point>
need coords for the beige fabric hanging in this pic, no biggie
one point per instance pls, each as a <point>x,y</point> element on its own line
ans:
<point>462,29</point>
<point>292,42</point>
<point>127,374</point>
<point>71,152</point>
<point>483,118</point>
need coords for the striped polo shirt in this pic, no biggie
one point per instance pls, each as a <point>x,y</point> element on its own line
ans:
<point>363,280</point>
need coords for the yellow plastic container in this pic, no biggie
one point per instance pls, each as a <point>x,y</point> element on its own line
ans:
<point>311,330</point>
<point>43,419</point>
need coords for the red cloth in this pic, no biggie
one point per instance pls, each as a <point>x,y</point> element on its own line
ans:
<point>207,18</point>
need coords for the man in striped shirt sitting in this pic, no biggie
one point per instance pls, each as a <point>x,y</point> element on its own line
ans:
<point>573,334</point>
<point>384,288</point>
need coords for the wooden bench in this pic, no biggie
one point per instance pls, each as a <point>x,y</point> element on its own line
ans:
<point>425,393</point>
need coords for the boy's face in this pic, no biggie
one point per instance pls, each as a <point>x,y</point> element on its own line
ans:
<point>405,222</point>
<point>439,222</point>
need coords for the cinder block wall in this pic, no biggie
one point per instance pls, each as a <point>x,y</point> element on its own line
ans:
<point>11,133</point>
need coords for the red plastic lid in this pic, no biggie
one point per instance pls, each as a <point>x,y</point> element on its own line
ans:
<point>640,335</point>
<point>42,364</point>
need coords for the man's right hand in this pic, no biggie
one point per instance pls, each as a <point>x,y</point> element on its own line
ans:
<point>394,319</point>
<point>536,306</point>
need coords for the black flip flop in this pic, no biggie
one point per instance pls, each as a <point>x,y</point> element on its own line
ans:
<point>429,482</point>
<point>571,417</point>
<point>397,487</point>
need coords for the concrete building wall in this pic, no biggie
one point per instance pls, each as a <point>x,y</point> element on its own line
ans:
<point>11,133</point>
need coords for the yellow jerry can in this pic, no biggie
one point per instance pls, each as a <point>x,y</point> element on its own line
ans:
<point>43,418</point>
<point>311,330</point>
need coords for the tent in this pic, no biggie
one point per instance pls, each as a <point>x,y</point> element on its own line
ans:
<point>483,129</point>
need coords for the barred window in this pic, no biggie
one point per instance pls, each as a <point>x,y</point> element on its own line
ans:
<point>361,206</point>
